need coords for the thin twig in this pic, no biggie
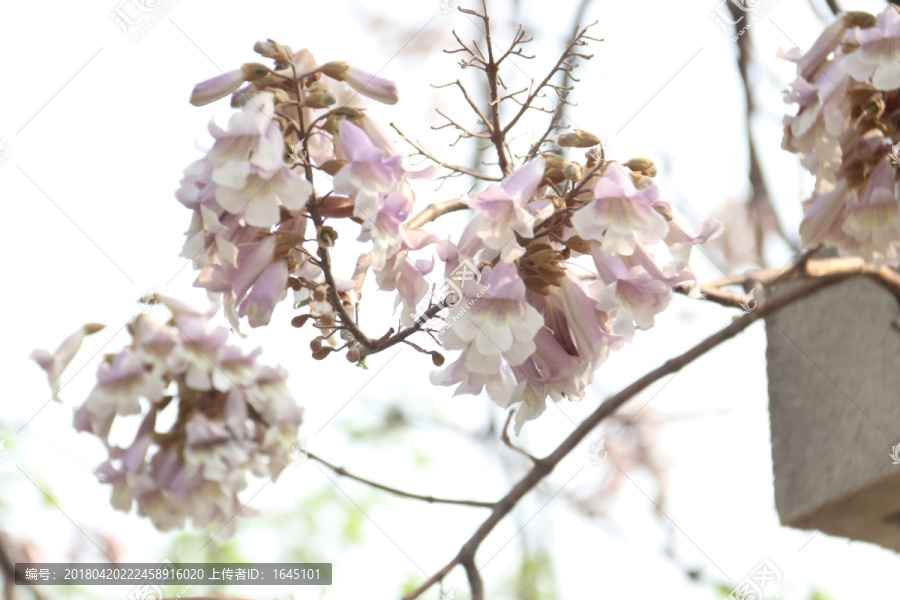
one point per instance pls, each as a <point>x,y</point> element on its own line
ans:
<point>481,116</point>
<point>504,437</point>
<point>397,492</point>
<point>421,150</point>
<point>561,65</point>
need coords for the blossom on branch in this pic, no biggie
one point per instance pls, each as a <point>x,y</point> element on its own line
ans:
<point>846,134</point>
<point>232,417</point>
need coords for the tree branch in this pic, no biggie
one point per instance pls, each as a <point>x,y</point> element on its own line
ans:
<point>492,68</point>
<point>397,492</point>
<point>434,211</point>
<point>421,150</point>
<point>544,466</point>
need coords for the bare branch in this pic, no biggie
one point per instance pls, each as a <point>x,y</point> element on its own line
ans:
<point>457,168</point>
<point>498,132</point>
<point>504,437</point>
<point>465,132</point>
<point>433,211</point>
<point>561,66</point>
<point>397,492</point>
<point>465,92</point>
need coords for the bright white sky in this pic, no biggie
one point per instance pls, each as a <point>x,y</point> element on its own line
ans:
<point>98,130</point>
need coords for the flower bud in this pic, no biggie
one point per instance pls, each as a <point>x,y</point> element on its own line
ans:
<point>353,355</point>
<point>320,294</point>
<point>300,320</point>
<point>642,165</point>
<point>573,171</point>
<point>316,344</point>
<point>641,182</point>
<point>322,353</point>
<point>272,49</point>
<point>577,139</point>
<point>253,71</point>
<point>326,319</point>
<point>319,99</point>
<point>326,236</point>
<point>269,49</point>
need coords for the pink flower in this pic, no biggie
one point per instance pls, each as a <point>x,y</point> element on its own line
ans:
<point>54,364</point>
<point>252,140</point>
<point>620,215</point>
<point>259,201</point>
<point>269,289</point>
<point>504,211</point>
<point>243,423</point>
<point>497,331</point>
<point>569,349</point>
<point>369,173</point>
<point>878,55</point>
<point>217,87</point>
<point>634,300</point>
<point>386,228</point>
<point>227,83</point>
<point>120,384</point>
<point>874,221</point>
<point>376,88</point>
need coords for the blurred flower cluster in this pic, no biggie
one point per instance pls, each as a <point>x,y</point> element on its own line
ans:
<point>230,416</point>
<point>846,133</point>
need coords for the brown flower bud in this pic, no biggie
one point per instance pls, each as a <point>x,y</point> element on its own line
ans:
<point>353,354</point>
<point>642,165</point>
<point>577,139</point>
<point>253,71</point>
<point>326,236</point>
<point>641,181</point>
<point>300,320</point>
<point>335,69</point>
<point>92,328</point>
<point>274,50</point>
<point>863,20</point>
<point>573,171</point>
<point>322,353</point>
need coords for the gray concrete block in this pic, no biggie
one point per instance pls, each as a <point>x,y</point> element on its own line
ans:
<point>833,362</point>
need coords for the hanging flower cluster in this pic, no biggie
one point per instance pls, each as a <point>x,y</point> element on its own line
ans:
<point>232,416</point>
<point>538,321</point>
<point>249,225</point>
<point>564,261</point>
<point>846,133</point>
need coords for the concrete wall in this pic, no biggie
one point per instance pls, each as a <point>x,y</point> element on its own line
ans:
<point>834,403</point>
